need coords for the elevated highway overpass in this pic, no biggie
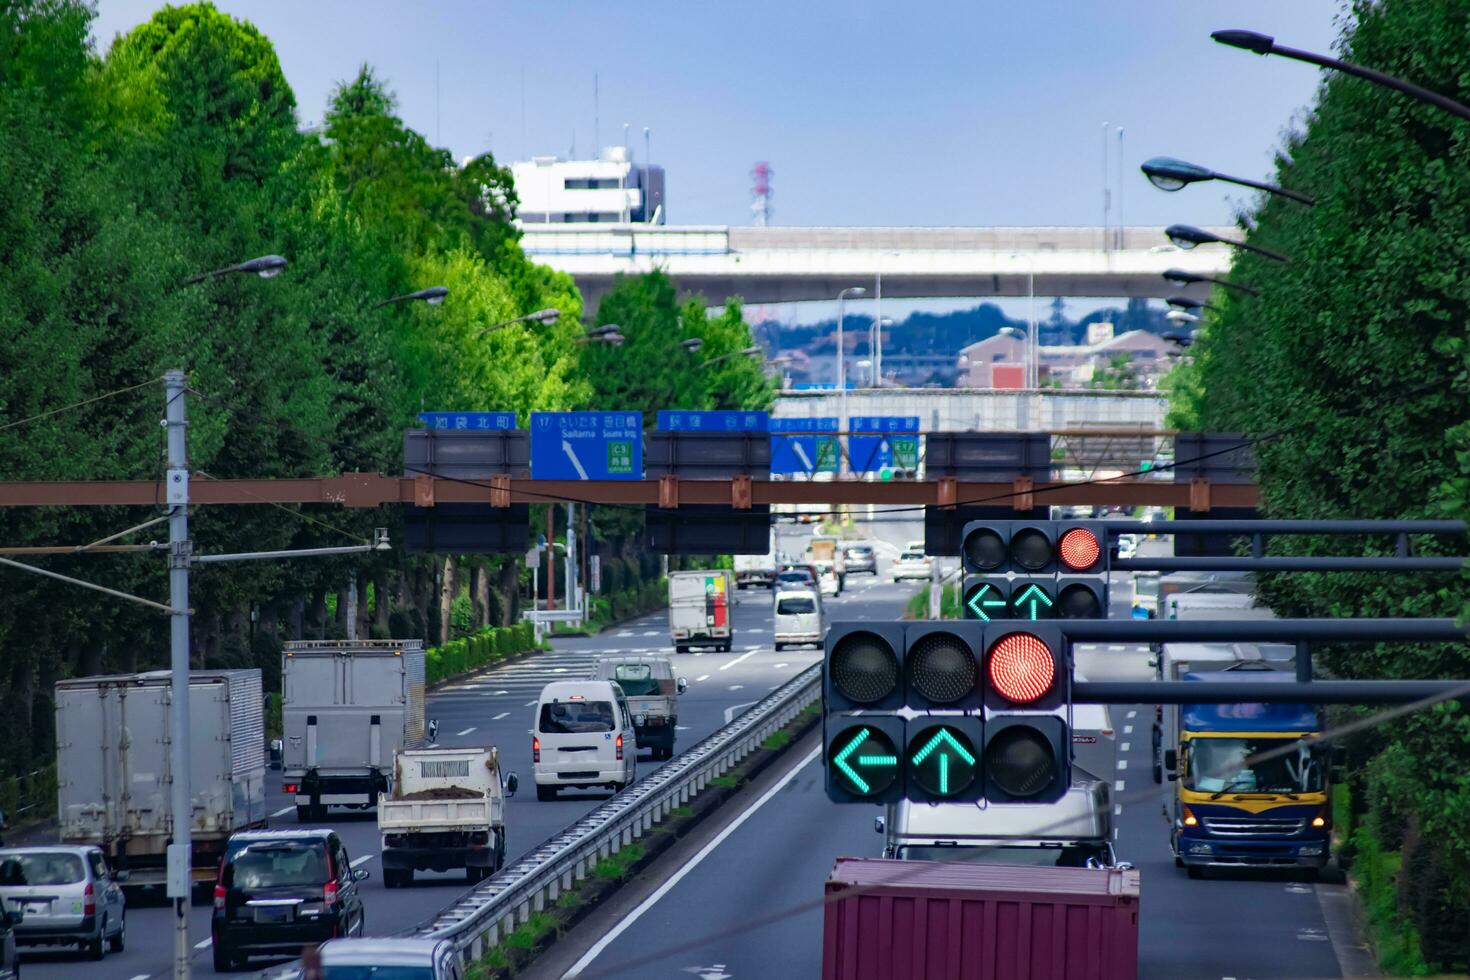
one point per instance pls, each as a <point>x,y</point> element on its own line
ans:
<point>784,265</point>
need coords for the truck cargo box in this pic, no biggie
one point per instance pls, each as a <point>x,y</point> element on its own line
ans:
<point>906,920</point>
<point>349,705</point>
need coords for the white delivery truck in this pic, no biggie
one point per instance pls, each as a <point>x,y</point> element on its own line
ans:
<point>347,707</point>
<point>700,609</point>
<point>113,769</point>
<point>447,811</point>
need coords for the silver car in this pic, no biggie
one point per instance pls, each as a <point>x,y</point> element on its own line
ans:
<point>66,896</point>
<point>364,959</point>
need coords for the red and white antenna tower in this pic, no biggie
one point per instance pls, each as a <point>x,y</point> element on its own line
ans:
<point>760,192</point>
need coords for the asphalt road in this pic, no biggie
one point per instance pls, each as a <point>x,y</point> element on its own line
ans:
<point>749,908</point>
<point>495,708</point>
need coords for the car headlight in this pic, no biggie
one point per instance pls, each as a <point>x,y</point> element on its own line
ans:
<point>1200,847</point>
<point>1310,850</point>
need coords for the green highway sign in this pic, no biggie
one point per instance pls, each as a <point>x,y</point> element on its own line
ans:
<point>942,760</point>
<point>1032,603</point>
<point>984,601</point>
<point>864,761</point>
<point>905,451</point>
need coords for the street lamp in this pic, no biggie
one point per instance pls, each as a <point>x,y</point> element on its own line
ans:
<point>608,333</point>
<point>1177,338</point>
<point>1168,174</point>
<point>1179,316</point>
<point>540,316</point>
<point>875,346</point>
<point>434,295</point>
<point>266,267</point>
<point>1264,44</point>
<point>1188,278</point>
<point>841,365</point>
<point>1184,302</point>
<point>692,345</point>
<point>744,352</point>
<point>1188,236</point>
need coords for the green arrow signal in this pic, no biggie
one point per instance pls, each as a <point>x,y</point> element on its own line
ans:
<point>840,761</point>
<point>978,600</point>
<point>942,737</point>
<point>1032,595</point>
<point>943,745</point>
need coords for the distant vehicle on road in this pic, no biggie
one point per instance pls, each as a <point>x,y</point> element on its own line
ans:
<point>651,689</point>
<point>798,618</point>
<point>65,896</point>
<point>825,551</point>
<point>755,570</point>
<point>860,558</point>
<point>447,811</point>
<point>584,736</point>
<point>389,959</point>
<point>280,890</point>
<point>1127,545</point>
<point>347,707</point>
<point>796,577</point>
<point>699,609</point>
<point>912,565</point>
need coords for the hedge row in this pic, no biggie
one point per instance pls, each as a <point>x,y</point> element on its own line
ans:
<point>473,652</point>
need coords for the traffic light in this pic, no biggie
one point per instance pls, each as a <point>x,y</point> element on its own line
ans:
<point>863,667</point>
<point>941,664</point>
<point>1082,565</point>
<point>942,759</point>
<point>863,758</point>
<point>1026,754</point>
<point>862,732</point>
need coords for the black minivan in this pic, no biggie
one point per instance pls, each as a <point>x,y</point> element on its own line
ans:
<point>281,890</point>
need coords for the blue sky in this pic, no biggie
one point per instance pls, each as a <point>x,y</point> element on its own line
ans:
<point>869,111</point>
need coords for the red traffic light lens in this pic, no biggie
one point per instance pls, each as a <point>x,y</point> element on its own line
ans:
<point>1079,549</point>
<point>1021,667</point>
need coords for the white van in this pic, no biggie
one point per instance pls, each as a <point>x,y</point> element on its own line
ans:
<point>798,616</point>
<point>583,737</point>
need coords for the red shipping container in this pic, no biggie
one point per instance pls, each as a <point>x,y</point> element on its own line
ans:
<point>933,920</point>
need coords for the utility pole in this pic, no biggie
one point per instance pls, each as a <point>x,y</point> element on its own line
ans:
<point>181,803</point>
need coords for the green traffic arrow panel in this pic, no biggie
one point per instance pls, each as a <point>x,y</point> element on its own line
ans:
<point>942,760</point>
<point>984,601</point>
<point>863,760</point>
<point>1030,601</point>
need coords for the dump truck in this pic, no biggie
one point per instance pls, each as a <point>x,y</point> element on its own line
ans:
<point>446,811</point>
<point>651,688</point>
<point>114,766</point>
<point>347,706</point>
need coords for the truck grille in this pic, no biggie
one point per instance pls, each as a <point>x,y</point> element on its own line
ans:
<point>1252,827</point>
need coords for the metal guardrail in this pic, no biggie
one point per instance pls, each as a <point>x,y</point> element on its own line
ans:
<point>482,917</point>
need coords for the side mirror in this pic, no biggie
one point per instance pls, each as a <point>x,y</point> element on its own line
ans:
<point>1171,759</point>
<point>512,783</point>
<point>682,684</point>
<point>121,876</point>
<point>361,874</point>
<point>879,825</point>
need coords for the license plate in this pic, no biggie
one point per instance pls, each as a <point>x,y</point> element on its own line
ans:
<point>41,907</point>
<point>273,913</point>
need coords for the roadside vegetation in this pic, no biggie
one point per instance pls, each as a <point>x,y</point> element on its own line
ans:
<point>1351,367</point>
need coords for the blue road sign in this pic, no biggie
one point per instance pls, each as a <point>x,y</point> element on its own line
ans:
<point>869,454</point>
<point>680,421</point>
<point>587,445</point>
<point>883,423</point>
<point>469,421</point>
<point>804,425</point>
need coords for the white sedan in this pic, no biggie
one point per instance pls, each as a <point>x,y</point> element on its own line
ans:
<point>912,565</point>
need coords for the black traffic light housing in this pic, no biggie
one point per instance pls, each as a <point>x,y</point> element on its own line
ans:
<point>941,665</point>
<point>1027,758</point>
<point>863,756</point>
<point>862,669</point>
<point>1082,570</point>
<point>942,759</point>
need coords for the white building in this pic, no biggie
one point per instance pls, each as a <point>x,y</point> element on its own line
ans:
<point>610,190</point>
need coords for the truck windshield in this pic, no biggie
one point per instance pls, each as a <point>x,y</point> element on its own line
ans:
<point>576,717</point>
<point>636,680</point>
<point>1222,765</point>
<point>795,605</point>
<point>1070,856</point>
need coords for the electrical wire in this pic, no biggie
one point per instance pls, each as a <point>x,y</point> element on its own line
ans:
<point>84,402</point>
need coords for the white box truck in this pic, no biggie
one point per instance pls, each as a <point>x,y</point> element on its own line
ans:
<point>114,772</point>
<point>700,608</point>
<point>447,811</point>
<point>347,706</point>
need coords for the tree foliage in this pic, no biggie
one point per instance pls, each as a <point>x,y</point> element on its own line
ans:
<point>1353,360</point>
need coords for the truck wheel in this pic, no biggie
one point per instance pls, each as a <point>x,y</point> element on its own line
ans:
<point>93,947</point>
<point>119,941</point>
<point>224,960</point>
<point>681,648</point>
<point>303,813</point>
<point>780,647</point>
<point>544,793</point>
<point>473,875</point>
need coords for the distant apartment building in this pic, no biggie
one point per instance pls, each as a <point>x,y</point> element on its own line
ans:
<point>999,361</point>
<point>609,190</point>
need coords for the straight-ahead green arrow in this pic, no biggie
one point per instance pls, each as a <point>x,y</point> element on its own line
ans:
<point>1032,595</point>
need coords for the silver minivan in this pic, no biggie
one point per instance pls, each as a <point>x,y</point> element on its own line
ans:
<point>66,896</point>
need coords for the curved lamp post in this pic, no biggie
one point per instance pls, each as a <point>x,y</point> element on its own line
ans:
<point>1186,303</point>
<point>1187,278</point>
<point>1168,174</point>
<point>744,352</point>
<point>434,295</point>
<point>266,267</point>
<point>1188,236</point>
<point>1264,44</point>
<point>540,316</point>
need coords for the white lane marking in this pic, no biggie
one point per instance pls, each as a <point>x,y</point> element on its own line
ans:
<point>689,866</point>
<point>681,728</point>
<point>202,944</point>
<point>1127,729</point>
<point>465,732</point>
<point>1132,713</point>
<point>732,663</point>
<point>530,704</point>
<point>730,711</point>
<point>503,714</point>
<point>650,633</point>
<point>625,633</point>
<point>361,860</point>
<point>751,646</point>
<point>757,629</point>
<point>1115,833</point>
<point>1117,809</point>
<point>1118,786</point>
<point>736,687</point>
<point>558,670</point>
<point>701,677</point>
<point>502,692</point>
<point>141,976</point>
<point>1126,745</point>
<point>1122,764</point>
<point>1116,647</point>
<point>779,666</point>
<point>283,811</point>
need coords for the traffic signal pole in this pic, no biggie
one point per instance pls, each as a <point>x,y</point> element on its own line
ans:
<point>180,804</point>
